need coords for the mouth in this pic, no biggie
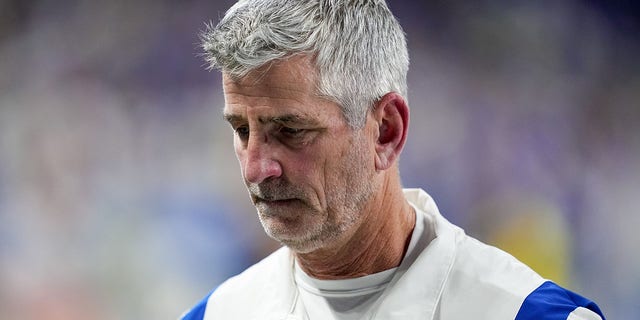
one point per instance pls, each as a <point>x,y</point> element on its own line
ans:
<point>280,208</point>
<point>273,202</point>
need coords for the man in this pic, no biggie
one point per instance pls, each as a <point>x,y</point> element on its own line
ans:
<point>315,91</point>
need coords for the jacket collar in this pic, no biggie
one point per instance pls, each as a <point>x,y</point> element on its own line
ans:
<point>423,275</point>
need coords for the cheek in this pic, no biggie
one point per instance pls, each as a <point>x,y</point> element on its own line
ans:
<point>300,167</point>
<point>306,170</point>
<point>330,168</point>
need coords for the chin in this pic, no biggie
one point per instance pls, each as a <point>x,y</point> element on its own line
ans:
<point>302,246</point>
<point>296,235</point>
<point>297,244</point>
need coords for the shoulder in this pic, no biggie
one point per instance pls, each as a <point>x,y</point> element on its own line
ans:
<point>477,260</point>
<point>482,281</point>
<point>550,301</point>
<point>250,287</point>
<point>502,287</point>
<point>488,283</point>
<point>485,282</point>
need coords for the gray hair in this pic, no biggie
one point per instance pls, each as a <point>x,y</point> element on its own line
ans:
<point>359,47</point>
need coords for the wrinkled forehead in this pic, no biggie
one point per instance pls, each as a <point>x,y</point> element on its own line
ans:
<point>283,86</point>
<point>290,81</point>
<point>296,68</point>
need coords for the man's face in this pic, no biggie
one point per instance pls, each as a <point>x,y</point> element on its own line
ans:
<point>308,173</point>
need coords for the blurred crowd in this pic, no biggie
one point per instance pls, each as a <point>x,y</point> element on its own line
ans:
<point>120,196</point>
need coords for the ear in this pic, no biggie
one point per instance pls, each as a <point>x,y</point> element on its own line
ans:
<point>391,114</point>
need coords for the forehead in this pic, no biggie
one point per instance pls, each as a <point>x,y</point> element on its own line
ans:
<point>295,73</point>
<point>288,86</point>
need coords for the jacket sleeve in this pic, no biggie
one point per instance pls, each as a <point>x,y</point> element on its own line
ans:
<point>552,302</point>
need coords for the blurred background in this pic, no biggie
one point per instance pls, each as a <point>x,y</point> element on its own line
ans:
<point>120,196</point>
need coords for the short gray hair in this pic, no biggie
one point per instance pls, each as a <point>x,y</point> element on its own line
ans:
<point>359,47</point>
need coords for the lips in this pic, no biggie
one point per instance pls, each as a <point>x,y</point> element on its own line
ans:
<point>276,197</point>
<point>274,202</point>
<point>281,209</point>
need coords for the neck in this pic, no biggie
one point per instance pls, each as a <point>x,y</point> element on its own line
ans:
<point>377,243</point>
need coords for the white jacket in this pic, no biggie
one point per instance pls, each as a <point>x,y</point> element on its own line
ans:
<point>455,277</point>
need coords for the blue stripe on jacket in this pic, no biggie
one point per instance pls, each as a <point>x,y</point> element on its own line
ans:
<point>552,302</point>
<point>197,312</point>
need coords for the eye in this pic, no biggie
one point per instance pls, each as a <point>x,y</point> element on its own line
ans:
<point>242,132</point>
<point>292,132</point>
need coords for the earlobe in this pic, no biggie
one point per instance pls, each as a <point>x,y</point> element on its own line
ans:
<point>392,118</point>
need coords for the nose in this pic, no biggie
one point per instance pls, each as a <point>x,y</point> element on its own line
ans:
<point>259,163</point>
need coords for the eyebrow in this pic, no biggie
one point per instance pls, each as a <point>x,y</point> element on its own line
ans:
<point>281,119</point>
<point>232,118</point>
